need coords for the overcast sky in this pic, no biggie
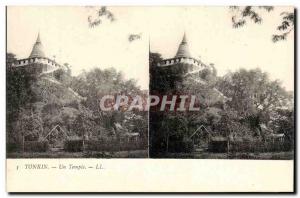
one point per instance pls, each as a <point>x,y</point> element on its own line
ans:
<point>65,34</point>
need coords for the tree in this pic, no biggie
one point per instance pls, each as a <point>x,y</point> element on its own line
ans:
<point>282,121</point>
<point>19,95</point>
<point>10,58</point>
<point>245,14</point>
<point>93,85</point>
<point>252,92</point>
<point>158,82</point>
<point>173,128</point>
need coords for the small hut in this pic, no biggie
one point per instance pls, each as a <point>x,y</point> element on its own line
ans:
<point>218,144</point>
<point>276,137</point>
<point>56,137</point>
<point>201,137</point>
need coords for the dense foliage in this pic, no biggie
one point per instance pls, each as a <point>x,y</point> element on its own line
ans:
<point>244,105</point>
<point>69,106</point>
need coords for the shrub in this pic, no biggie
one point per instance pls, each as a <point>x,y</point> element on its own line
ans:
<point>13,147</point>
<point>73,145</point>
<point>36,146</point>
<point>132,146</point>
<point>99,145</point>
<point>259,146</point>
<point>114,145</point>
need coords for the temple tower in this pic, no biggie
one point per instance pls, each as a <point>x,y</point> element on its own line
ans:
<point>183,64</point>
<point>183,49</point>
<point>37,49</point>
<point>38,62</point>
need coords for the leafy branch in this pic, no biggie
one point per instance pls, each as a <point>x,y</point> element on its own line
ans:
<point>101,14</point>
<point>133,37</point>
<point>245,14</point>
<point>286,26</point>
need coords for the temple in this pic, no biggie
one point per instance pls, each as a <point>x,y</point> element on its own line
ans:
<point>38,62</point>
<point>183,63</point>
<point>174,72</point>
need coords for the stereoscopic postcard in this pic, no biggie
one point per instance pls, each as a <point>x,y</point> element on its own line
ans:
<point>150,99</point>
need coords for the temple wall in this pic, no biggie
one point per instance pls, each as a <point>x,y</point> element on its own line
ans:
<point>37,65</point>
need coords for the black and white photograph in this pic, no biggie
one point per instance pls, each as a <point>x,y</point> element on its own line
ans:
<point>60,62</point>
<point>238,65</point>
<point>150,98</point>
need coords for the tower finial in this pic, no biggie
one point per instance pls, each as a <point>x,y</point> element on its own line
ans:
<point>38,39</point>
<point>184,38</point>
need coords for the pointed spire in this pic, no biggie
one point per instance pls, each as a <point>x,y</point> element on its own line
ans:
<point>183,49</point>
<point>38,40</point>
<point>184,38</point>
<point>37,49</point>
